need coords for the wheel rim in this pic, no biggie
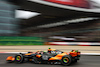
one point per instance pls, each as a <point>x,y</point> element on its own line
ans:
<point>65,60</point>
<point>18,58</point>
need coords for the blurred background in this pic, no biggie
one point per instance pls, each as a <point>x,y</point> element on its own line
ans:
<point>31,25</point>
<point>29,22</point>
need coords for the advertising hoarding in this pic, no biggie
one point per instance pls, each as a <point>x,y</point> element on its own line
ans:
<point>75,3</point>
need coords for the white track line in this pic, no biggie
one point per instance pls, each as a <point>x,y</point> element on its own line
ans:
<point>27,52</point>
<point>90,53</point>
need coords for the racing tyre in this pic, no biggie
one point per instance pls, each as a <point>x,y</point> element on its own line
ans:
<point>19,58</point>
<point>66,60</point>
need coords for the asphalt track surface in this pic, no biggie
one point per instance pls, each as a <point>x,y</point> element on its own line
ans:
<point>85,61</point>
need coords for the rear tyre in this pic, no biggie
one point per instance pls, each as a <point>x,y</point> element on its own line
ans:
<point>19,58</point>
<point>66,60</point>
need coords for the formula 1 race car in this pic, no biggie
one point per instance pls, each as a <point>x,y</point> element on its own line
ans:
<point>51,56</point>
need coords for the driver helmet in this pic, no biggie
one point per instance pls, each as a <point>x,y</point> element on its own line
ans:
<point>49,50</point>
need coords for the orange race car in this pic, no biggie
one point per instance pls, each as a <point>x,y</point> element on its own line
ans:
<point>52,56</point>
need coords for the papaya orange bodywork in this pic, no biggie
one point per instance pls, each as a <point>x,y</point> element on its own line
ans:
<point>79,53</point>
<point>73,54</point>
<point>55,58</point>
<point>28,54</point>
<point>10,58</point>
<point>38,56</point>
<point>58,57</point>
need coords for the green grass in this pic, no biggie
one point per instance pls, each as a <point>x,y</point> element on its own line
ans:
<point>20,44</point>
<point>17,40</point>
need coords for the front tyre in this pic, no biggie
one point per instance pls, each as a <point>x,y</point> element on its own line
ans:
<point>66,60</point>
<point>19,58</point>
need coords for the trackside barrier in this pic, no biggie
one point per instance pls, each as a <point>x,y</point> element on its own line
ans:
<point>74,43</point>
